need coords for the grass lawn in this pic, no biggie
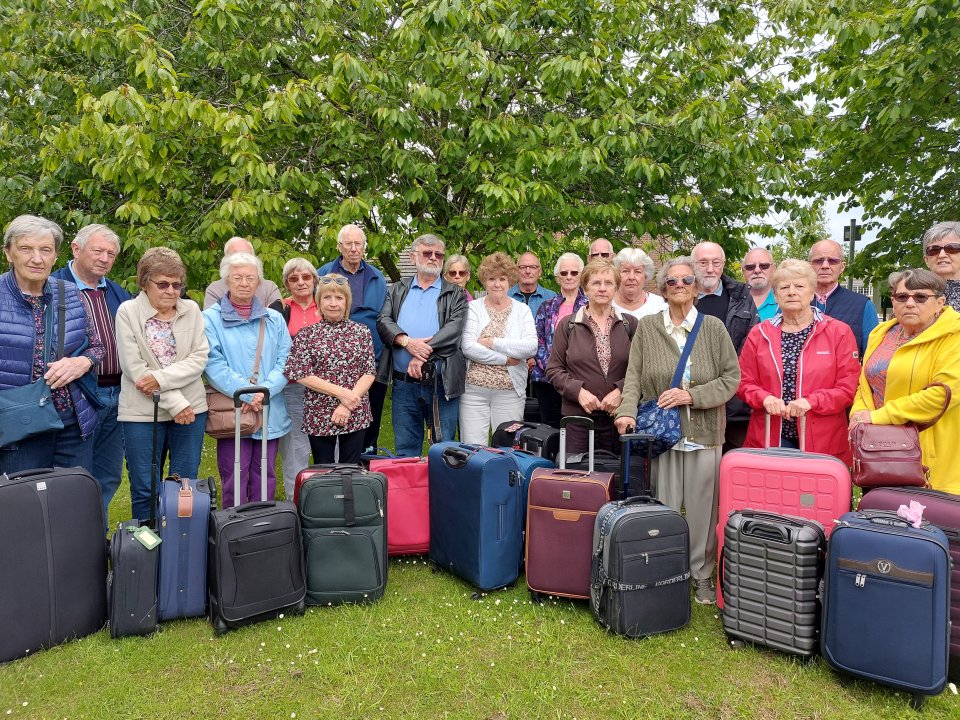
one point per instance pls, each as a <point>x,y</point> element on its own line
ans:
<point>427,650</point>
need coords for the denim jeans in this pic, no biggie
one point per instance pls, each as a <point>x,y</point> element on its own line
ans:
<point>412,406</point>
<point>55,448</point>
<point>108,445</point>
<point>184,443</point>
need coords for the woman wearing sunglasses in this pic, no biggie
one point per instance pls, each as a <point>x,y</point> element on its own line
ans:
<point>920,346</point>
<point>799,364</point>
<point>570,299</point>
<point>333,359</point>
<point>941,251</point>
<point>686,475</point>
<point>161,346</point>
<point>456,270</point>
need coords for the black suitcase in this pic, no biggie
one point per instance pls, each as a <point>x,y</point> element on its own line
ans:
<point>256,554</point>
<point>132,582</point>
<point>53,559</point>
<point>770,572</point>
<point>631,475</point>
<point>536,438</point>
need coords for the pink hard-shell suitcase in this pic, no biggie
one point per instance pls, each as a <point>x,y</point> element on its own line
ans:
<point>783,481</point>
<point>408,504</point>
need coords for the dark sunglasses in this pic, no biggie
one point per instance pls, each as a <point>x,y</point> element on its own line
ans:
<point>919,298</point>
<point>949,249</point>
<point>327,280</point>
<point>164,285</point>
<point>753,266</point>
<point>828,260</point>
<point>686,280</point>
<point>568,273</point>
<point>431,254</point>
<point>458,273</point>
<point>600,255</point>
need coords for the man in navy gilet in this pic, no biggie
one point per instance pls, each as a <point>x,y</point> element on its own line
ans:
<point>855,309</point>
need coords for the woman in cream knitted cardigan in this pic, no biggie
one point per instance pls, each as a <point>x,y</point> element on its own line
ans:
<point>685,476</point>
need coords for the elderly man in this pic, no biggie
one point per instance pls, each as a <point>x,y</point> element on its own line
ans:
<point>855,309</point>
<point>600,249</point>
<point>730,301</point>
<point>368,289</point>
<point>529,290</point>
<point>95,249</point>
<point>267,292</point>
<point>758,267</point>
<point>420,324</point>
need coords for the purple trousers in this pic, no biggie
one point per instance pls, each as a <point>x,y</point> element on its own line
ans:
<point>248,484</point>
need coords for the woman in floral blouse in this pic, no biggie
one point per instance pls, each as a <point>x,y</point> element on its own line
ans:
<point>334,360</point>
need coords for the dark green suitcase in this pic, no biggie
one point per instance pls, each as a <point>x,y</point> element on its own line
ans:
<point>343,515</point>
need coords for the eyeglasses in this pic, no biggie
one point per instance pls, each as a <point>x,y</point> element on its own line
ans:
<point>568,273</point>
<point>354,244</point>
<point>298,278</point>
<point>164,285</point>
<point>458,273</point>
<point>832,261</point>
<point>600,255</point>
<point>249,279</point>
<point>686,280</point>
<point>753,266</point>
<point>718,263</point>
<point>529,267</point>
<point>919,298</point>
<point>327,279</point>
<point>949,249</point>
<point>431,254</point>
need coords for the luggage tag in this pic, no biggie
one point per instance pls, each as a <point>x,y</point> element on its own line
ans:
<point>147,537</point>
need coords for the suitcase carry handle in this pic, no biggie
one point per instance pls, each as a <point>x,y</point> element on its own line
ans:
<point>766,530</point>
<point>802,427</point>
<point>249,507</point>
<point>570,473</point>
<point>782,519</point>
<point>576,420</point>
<point>640,500</point>
<point>888,517</point>
<point>455,457</point>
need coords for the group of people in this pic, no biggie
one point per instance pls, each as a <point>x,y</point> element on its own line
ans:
<point>787,358</point>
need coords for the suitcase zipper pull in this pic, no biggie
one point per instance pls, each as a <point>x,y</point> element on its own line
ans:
<point>380,508</point>
<point>860,580</point>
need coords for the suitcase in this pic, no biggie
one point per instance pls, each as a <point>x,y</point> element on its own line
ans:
<point>785,482</point>
<point>132,582</point>
<point>343,513</point>
<point>527,462</point>
<point>408,504</point>
<point>770,572</point>
<point>537,438</point>
<point>53,559</point>
<point>256,554</point>
<point>562,509</point>
<point>943,510</point>
<point>475,513</point>
<point>886,602</point>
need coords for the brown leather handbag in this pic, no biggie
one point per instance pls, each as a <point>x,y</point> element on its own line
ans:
<point>889,455</point>
<point>221,412</point>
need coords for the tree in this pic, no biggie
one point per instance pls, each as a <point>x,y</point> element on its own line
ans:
<point>799,235</point>
<point>500,124</point>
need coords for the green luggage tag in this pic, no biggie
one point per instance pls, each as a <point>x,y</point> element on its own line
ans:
<point>147,537</point>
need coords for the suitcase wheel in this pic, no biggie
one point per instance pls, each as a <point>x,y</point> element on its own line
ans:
<point>916,702</point>
<point>735,644</point>
<point>477,595</point>
<point>219,626</point>
<point>536,597</point>
<point>300,608</point>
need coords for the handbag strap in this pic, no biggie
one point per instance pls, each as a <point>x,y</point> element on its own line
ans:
<point>946,405</point>
<point>62,316</point>
<point>687,349</point>
<point>256,358</point>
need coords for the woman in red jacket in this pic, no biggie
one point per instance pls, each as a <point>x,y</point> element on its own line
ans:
<point>800,363</point>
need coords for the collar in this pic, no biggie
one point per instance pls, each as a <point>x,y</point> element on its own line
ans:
<point>538,290</point>
<point>822,299</point>
<point>82,285</point>
<point>338,266</point>
<point>231,317</point>
<point>818,316</point>
<point>580,315</point>
<point>414,285</point>
<point>687,323</point>
<point>718,292</point>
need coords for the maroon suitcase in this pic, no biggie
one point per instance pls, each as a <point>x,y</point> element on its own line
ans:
<point>943,510</point>
<point>561,511</point>
<point>408,504</point>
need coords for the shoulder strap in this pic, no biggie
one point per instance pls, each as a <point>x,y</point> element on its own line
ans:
<point>256,358</point>
<point>687,349</point>
<point>61,316</point>
<point>946,405</point>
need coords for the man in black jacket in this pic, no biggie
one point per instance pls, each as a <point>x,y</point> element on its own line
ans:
<point>420,324</point>
<point>730,301</point>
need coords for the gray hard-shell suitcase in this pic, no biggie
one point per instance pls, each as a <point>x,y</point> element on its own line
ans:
<point>770,571</point>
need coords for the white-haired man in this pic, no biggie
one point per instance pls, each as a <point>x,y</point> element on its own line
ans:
<point>267,292</point>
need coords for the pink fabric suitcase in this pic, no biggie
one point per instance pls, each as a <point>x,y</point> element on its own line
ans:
<point>783,481</point>
<point>408,504</point>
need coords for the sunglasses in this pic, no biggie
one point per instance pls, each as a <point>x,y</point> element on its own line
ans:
<point>686,280</point>
<point>458,273</point>
<point>753,266</point>
<point>949,249</point>
<point>298,278</point>
<point>568,273</point>
<point>328,280</point>
<point>829,260</point>
<point>919,298</point>
<point>600,255</point>
<point>433,254</point>
<point>164,285</point>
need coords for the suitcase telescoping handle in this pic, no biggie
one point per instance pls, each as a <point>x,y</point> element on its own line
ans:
<point>154,474</point>
<point>237,404</point>
<point>626,442</point>
<point>802,426</point>
<point>576,420</point>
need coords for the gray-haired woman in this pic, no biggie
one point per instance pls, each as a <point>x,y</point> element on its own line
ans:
<point>457,271</point>
<point>636,270</point>
<point>941,251</point>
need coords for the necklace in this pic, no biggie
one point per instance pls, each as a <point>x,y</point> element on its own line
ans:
<point>902,336</point>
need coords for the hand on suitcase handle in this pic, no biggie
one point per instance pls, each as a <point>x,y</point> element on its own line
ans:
<point>251,389</point>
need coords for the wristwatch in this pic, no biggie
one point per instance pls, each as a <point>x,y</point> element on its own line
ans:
<point>405,341</point>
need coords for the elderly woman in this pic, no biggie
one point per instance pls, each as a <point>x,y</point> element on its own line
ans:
<point>589,359</point>
<point>570,299</point>
<point>636,270</point>
<point>233,328</point>
<point>686,475</point>
<point>498,337</point>
<point>941,251</point>
<point>904,356</point>
<point>299,310</point>
<point>334,361</point>
<point>800,363</point>
<point>31,352</point>
<point>162,347</point>
<point>457,271</point>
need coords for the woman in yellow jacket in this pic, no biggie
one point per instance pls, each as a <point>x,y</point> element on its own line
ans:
<point>920,346</point>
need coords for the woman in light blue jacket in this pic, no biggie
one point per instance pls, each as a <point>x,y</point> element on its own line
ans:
<point>232,329</point>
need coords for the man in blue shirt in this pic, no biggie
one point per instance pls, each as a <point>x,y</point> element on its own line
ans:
<point>855,309</point>
<point>758,267</point>
<point>420,324</point>
<point>529,290</point>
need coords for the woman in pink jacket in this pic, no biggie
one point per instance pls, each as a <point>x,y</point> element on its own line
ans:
<point>798,364</point>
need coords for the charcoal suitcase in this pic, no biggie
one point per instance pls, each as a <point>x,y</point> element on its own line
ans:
<point>536,438</point>
<point>770,573</point>
<point>343,514</point>
<point>256,555</point>
<point>940,509</point>
<point>886,602</point>
<point>475,513</point>
<point>408,504</point>
<point>53,559</point>
<point>132,583</point>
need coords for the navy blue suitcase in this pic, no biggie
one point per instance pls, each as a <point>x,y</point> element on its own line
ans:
<point>183,519</point>
<point>527,462</point>
<point>475,511</point>
<point>886,602</point>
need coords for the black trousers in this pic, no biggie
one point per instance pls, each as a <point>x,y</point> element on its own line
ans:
<point>377,394</point>
<point>550,403</point>
<point>351,446</point>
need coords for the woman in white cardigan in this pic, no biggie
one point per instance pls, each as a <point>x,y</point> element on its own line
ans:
<point>498,337</point>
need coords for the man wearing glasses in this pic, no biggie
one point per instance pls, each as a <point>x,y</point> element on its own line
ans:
<point>368,289</point>
<point>758,267</point>
<point>420,324</point>
<point>855,309</point>
<point>600,249</point>
<point>529,290</point>
<point>267,291</point>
